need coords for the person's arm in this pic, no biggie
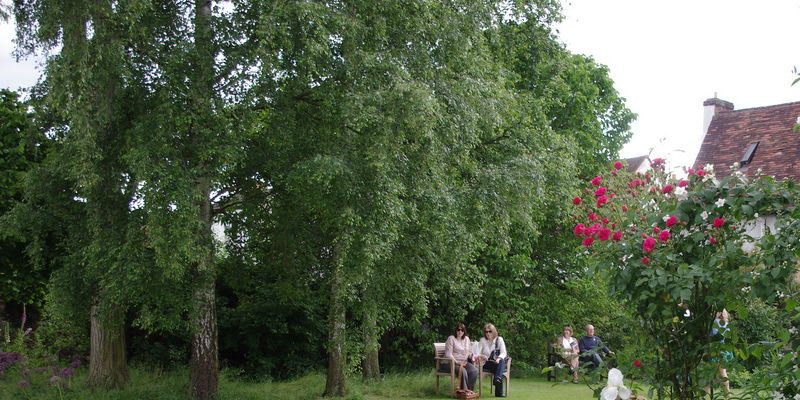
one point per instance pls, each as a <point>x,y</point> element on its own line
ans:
<point>448,348</point>
<point>604,347</point>
<point>501,344</point>
<point>582,346</point>
<point>485,349</point>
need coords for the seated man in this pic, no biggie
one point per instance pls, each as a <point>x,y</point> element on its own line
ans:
<point>590,342</point>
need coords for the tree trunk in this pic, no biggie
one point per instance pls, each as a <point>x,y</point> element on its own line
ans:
<point>370,365</point>
<point>337,359</point>
<point>108,363</point>
<point>204,363</point>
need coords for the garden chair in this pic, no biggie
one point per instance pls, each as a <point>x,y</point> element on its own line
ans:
<point>444,367</point>
<point>483,372</point>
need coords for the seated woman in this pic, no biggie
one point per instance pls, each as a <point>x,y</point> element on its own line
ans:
<point>568,347</point>
<point>493,351</point>
<point>457,349</point>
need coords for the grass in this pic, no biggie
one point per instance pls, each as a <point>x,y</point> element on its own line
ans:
<point>158,385</point>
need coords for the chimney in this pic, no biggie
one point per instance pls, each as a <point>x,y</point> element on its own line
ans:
<point>711,107</point>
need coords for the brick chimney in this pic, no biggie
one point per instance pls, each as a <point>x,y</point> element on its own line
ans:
<point>711,107</point>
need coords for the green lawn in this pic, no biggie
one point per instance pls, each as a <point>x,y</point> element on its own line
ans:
<point>153,384</point>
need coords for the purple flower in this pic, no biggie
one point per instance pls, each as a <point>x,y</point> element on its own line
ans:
<point>28,331</point>
<point>66,372</point>
<point>24,384</point>
<point>24,318</point>
<point>75,364</point>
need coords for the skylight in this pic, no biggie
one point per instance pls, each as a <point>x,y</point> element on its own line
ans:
<point>748,154</point>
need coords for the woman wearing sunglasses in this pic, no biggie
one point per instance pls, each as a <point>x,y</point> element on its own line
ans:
<point>457,349</point>
<point>493,352</point>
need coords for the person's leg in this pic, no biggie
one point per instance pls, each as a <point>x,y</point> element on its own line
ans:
<point>472,371</point>
<point>725,382</point>
<point>498,371</point>
<point>573,363</point>
<point>464,376</point>
<point>596,360</point>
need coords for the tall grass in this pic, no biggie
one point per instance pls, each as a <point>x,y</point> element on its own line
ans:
<point>156,384</point>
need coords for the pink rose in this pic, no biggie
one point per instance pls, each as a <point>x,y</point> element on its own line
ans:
<point>718,222</point>
<point>713,240</point>
<point>645,260</point>
<point>624,208</point>
<point>588,241</point>
<point>617,165</point>
<point>617,236</point>
<point>600,191</point>
<point>605,221</point>
<point>602,200</point>
<point>664,236</point>
<point>579,229</point>
<point>596,181</point>
<point>701,173</point>
<point>576,201</point>
<point>667,189</point>
<point>683,183</point>
<point>656,230</point>
<point>649,245</point>
<point>605,234</point>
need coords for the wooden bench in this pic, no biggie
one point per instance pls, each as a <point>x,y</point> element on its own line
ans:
<point>552,359</point>
<point>444,367</point>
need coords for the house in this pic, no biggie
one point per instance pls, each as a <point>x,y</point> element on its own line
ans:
<point>759,138</point>
<point>638,164</point>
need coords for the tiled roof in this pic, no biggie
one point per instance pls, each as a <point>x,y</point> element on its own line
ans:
<point>732,132</point>
<point>638,164</point>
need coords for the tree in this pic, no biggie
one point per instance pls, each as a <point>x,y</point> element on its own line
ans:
<point>24,284</point>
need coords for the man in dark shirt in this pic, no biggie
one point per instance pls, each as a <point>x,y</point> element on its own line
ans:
<point>589,342</point>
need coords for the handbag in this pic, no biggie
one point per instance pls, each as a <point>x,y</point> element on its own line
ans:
<point>465,393</point>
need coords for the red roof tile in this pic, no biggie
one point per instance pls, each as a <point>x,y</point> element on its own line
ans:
<point>731,132</point>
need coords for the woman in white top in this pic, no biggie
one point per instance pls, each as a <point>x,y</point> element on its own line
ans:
<point>493,351</point>
<point>568,346</point>
<point>457,349</point>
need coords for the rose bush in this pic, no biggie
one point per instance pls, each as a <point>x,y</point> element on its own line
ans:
<point>679,250</point>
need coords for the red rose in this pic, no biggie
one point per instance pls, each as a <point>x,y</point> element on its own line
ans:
<point>656,230</point>
<point>617,236</point>
<point>596,181</point>
<point>718,222</point>
<point>664,236</point>
<point>637,363</point>
<point>618,165</point>
<point>624,208</point>
<point>600,191</point>
<point>605,221</point>
<point>588,241</point>
<point>648,245</point>
<point>672,221</point>
<point>579,229</point>
<point>713,240</point>
<point>667,189</point>
<point>645,260</point>
<point>605,234</point>
<point>683,183</point>
<point>576,201</point>
<point>601,200</point>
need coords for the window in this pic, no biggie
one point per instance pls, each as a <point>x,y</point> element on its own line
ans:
<point>748,154</point>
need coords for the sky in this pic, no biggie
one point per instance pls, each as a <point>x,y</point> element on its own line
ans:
<point>665,58</point>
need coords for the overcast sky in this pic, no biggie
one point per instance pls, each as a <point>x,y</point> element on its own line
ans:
<point>665,58</point>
